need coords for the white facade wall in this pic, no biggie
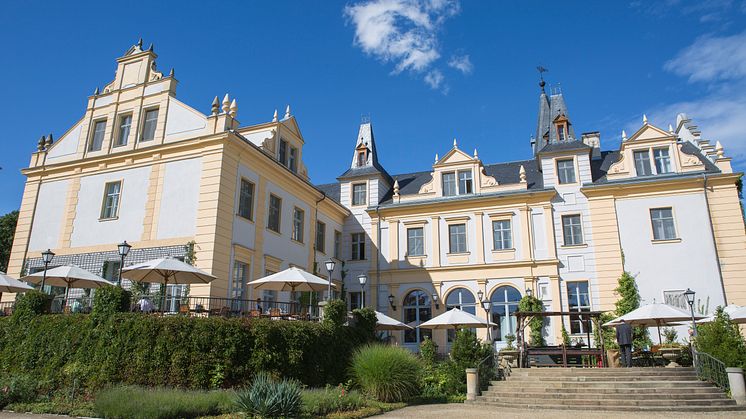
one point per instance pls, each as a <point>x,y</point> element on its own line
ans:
<point>48,218</point>
<point>358,222</point>
<point>88,230</point>
<point>244,231</point>
<point>281,245</point>
<point>180,198</point>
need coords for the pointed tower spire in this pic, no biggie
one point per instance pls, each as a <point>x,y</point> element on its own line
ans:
<point>150,48</point>
<point>226,103</point>
<point>364,162</point>
<point>233,109</point>
<point>287,112</point>
<point>476,156</point>
<point>436,157</point>
<point>215,106</point>
<point>139,43</point>
<point>670,129</point>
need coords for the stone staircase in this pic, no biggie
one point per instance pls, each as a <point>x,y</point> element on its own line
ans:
<point>618,389</point>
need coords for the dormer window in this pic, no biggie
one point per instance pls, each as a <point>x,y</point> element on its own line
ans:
<point>464,182</point>
<point>457,183</point>
<point>642,163</point>
<point>288,156</point>
<point>562,132</point>
<point>148,128</point>
<point>361,158</point>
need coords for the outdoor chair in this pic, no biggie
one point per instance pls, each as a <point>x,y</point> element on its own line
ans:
<point>184,309</point>
<point>255,314</point>
<point>275,313</point>
<point>225,311</point>
<point>67,310</point>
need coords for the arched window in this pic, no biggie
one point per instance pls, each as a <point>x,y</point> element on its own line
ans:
<point>417,310</point>
<point>463,299</point>
<point>504,303</point>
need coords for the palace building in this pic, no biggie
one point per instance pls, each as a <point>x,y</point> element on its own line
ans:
<point>564,224</point>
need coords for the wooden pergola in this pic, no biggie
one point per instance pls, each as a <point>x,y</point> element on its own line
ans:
<point>522,320</point>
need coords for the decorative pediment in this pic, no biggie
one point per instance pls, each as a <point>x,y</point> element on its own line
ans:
<point>487,181</point>
<point>649,132</point>
<point>455,156</point>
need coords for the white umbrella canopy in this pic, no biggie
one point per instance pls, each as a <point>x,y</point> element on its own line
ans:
<point>291,279</point>
<point>8,284</point>
<point>68,276</point>
<point>166,271</point>
<point>455,318</point>
<point>384,322</point>
<point>736,313</point>
<point>655,314</point>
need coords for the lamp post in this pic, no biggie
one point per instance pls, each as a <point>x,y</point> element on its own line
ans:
<point>391,302</point>
<point>47,257</point>
<point>124,249</point>
<point>363,279</point>
<point>486,305</point>
<point>690,299</point>
<point>330,268</point>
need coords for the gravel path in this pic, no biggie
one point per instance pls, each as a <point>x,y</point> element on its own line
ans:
<point>464,411</point>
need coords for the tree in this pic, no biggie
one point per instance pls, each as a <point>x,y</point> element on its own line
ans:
<point>536,324</point>
<point>629,300</point>
<point>722,339</point>
<point>7,231</point>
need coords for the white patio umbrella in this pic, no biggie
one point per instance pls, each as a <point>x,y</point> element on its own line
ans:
<point>655,314</point>
<point>736,313</point>
<point>291,279</point>
<point>455,318</point>
<point>166,271</point>
<point>8,284</point>
<point>384,322</point>
<point>68,276</point>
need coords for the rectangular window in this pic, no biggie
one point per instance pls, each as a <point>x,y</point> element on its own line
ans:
<point>457,238</point>
<point>358,194</point>
<point>298,221</point>
<point>361,159</point>
<point>642,163</point>
<point>501,235</point>
<point>293,160</point>
<point>566,171</point>
<point>663,224</point>
<point>97,140</point>
<point>246,200</point>
<point>579,300</point>
<point>662,160</point>
<point>148,128</point>
<point>238,287</point>
<point>275,209</point>
<point>283,153</point>
<point>358,246</point>
<point>125,123</point>
<point>112,193</point>
<point>355,300</point>
<point>561,132</point>
<point>337,244</point>
<point>572,230</point>
<point>320,236</point>
<point>449,184</point>
<point>415,241</point>
<point>464,182</point>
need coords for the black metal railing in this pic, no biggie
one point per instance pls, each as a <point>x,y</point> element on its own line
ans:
<point>711,369</point>
<point>6,308</point>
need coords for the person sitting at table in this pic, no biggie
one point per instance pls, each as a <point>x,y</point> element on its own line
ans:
<point>145,305</point>
<point>75,306</point>
<point>259,305</point>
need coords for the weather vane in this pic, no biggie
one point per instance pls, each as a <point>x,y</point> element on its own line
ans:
<point>541,70</point>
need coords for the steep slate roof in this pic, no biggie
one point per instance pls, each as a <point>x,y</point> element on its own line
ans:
<point>368,140</point>
<point>564,146</point>
<point>550,107</point>
<point>331,190</point>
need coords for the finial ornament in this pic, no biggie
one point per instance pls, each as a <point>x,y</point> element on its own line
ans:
<point>171,73</point>
<point>436,157</point>
<point>287,112</point>
<point>396,187</point>
<point>476,155</point>
<point>541,71</point>
<point>233,109</point>
<point>215,106</point>
<point>150,48</point>
<point>95,92</point>
<point>719,149</point>
<point>49,142</point>
<point>670,129</point>
<point>455,144</point>
<point>226,103</point>
<point>644,119</point>
<point>274,117</point>
<point>40,144</point>
<point>139,43</point>
<point>624,135</point>
<point>522,174</point>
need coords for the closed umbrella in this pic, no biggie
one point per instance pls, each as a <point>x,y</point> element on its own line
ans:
<point>655,314</point>
<point>8,284</point>
<point>68,276</point>
<point>384,322</point>
<point>455,318</point>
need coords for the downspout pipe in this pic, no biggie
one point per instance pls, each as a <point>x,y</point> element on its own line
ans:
<point>714,240</point>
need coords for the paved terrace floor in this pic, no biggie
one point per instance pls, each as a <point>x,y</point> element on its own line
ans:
<point>461,411</point>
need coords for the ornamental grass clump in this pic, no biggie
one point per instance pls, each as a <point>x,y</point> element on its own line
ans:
<point>270,398</point>
<point>160,403</point>
<point>387,373</point>
<point>321,402</point>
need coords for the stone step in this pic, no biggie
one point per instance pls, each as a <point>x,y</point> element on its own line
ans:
<point>588,378</point>
<point>560,370</point>
<point>518,404</point>
<point>602,384</point>
<point>627,392</point>
<point>600,372</point>
<point>622,402</point>
<point>683,395</point>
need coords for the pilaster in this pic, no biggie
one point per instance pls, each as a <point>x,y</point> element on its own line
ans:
<point>436,241</point>
<point>480,237</point>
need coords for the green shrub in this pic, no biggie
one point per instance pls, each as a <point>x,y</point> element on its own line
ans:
<point>335,313</point>
<point>722,339</point>
<point>270,398</point>
<point>321,402</point>
<point>607,334</point>
<point>365,321</point>
<point>32,303</point>
<point>536,323</point>
<point>157,403</point>
<point>110,300</point>
<point>387,373</point>
<point>19,388</point>
<point>429,351</point>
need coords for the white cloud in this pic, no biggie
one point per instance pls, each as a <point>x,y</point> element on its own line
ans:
<point>461,63</point>
<point>403,32</point>
<point>711,58</point>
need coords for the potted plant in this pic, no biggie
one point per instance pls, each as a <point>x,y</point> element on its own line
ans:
<point>509,353</point>
<point>670,350</point>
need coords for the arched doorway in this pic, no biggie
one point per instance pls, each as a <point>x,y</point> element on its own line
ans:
<point>417,310</point>
<point>504,303</point>
<point>463,299</point>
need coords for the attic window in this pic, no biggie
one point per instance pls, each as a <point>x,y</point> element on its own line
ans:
<point>361,158</point>
<point>562,131</point>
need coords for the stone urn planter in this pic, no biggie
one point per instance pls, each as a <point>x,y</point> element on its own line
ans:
<point>612,358</point>
<point>509,355</point>
<point>671,354</point>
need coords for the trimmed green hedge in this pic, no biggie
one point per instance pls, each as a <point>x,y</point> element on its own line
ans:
<point>187,352</point>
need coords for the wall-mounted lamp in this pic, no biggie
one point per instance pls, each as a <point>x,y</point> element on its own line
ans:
<point>529,292</point>
<point>391,302</point>
<point>435,300</point>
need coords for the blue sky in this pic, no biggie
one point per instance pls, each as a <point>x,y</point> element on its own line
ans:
<point>426,72</point>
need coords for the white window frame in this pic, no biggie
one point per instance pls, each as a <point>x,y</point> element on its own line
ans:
<point>411,241</point>
<point>468,182</point>
<point>456,246</point>
<point>498,235</point>
<point>146,124</point>
<point>279,214</point>
<point>244,207</point>
<point>571,225</point>
<point>299,224</point>
<point>122,140</point>
<point>357,246</point>
<point>359,201</point>
<point>565,171</point>
<point>94,134</point>
<point>660,220</point>
<point>454,183</point>
<point>338,244</point>
<point>320,236</point>
<point>116,198</point>
<point>667,160</point>
<point>579,307</point>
